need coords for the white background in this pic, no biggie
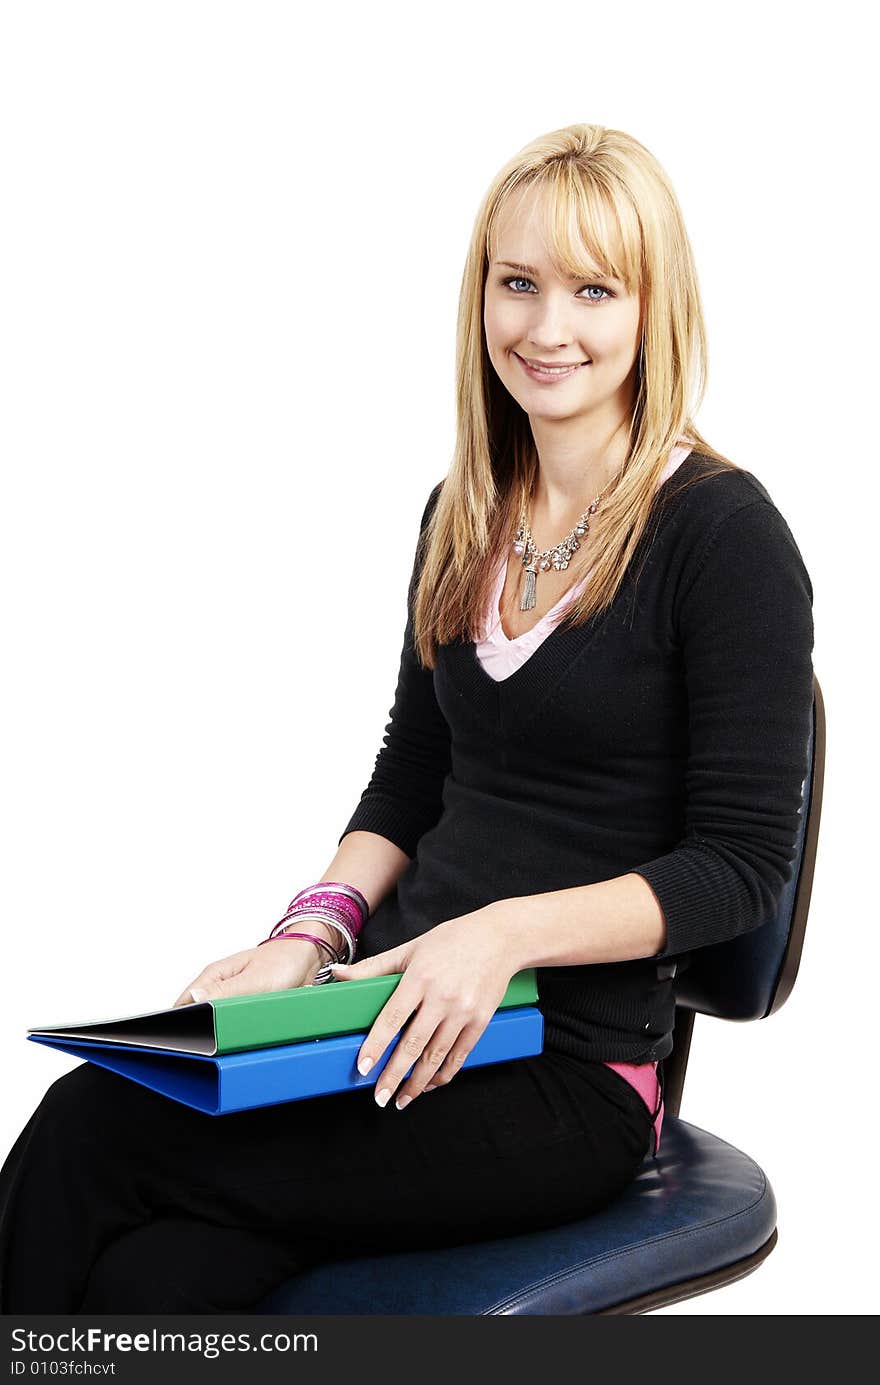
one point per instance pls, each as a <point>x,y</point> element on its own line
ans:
<point>232,240</point>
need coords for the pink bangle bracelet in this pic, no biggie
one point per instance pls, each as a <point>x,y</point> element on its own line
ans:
<point>339,900</point>
<point>326,915</point>
<point>341,890</point>
<point>309,937</point>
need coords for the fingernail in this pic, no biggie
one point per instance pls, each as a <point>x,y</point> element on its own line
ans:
<point>364,1066</point>
<point>197,996</point>
<point>383,1097</point>
<point>431,1087</point>
<point>402,1101</point>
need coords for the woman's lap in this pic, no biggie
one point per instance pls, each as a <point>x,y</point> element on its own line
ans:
<point>502,1148</point>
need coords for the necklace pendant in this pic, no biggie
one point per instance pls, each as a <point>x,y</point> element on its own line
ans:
<point>528,596</point>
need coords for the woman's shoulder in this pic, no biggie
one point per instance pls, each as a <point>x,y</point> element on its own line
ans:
<point>712,483</point>
<point>704,493</point>
<point>728,510</point>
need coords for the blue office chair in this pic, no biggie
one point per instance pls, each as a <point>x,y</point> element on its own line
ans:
<point>700,1215</point>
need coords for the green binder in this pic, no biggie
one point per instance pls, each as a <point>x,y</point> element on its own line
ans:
<point>239,1023</point>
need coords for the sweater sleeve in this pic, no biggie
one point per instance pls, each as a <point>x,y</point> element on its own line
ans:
<point>745,626</point>
<point>403,799</point>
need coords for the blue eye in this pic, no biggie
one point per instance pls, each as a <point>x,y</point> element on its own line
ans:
<point>519,279</point>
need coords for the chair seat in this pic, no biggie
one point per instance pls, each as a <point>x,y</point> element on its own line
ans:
<point>699,1207</point>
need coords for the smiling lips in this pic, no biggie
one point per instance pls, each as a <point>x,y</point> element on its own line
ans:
<point>542,371</point>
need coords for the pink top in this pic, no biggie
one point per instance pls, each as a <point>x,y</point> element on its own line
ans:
<point>501,657</point>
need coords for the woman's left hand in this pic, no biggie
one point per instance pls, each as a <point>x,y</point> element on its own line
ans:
<point>454,978</point>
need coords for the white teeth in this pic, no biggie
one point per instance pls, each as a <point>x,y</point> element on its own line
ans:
<point>556,369</point>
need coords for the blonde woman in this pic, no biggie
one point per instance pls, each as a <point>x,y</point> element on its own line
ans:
<point>592,766</point>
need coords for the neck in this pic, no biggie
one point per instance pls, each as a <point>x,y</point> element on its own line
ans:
<point>568,479</point>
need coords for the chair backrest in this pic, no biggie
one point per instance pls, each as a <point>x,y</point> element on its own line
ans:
<point>752,975</point>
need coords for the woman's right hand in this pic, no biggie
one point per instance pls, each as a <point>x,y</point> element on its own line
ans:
<point>278,965</point>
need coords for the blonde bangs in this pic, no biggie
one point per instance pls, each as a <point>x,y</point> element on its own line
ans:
<point>587,231</point>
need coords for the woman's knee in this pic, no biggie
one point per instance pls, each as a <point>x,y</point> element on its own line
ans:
<point>122,1280</point>
<point>178,1264</point>
<point>91,1094</point>
<point>85,1094</point>
<point>91,1107</point>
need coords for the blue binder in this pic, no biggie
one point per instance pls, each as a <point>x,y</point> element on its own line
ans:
<point>285,1072</point>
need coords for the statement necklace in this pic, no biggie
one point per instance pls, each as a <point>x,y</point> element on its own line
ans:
<point>557,556</point>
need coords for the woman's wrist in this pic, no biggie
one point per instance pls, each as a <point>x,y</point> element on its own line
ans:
<point>317,928</point>
<point>330,905</point>
<point>313,957</point>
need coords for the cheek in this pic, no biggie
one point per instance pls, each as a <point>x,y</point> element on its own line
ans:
<point>497,323</point>
<point>611,341</point>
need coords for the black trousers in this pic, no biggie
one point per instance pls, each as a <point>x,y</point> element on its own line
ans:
<point>116,1199</point>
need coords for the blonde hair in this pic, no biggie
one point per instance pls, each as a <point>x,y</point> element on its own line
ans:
<point>605,191</point>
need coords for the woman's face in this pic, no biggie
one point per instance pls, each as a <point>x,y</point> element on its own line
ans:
<point>532,315</point>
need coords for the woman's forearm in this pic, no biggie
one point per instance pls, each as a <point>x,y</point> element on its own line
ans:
<point>610,921</point>
<point>371,863</point>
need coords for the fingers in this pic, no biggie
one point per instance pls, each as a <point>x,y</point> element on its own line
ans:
<point>437,1029</point>
<point>255,970</point>
<point>388,1023</point>
<point>435,1053</point>
<point>445,1047</point>
<point>191,996</point>
<point>205,986</point>
<point>386,963</point>
<point>185,998</point>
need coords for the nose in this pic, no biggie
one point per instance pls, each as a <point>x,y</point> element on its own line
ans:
<point>549,330</point>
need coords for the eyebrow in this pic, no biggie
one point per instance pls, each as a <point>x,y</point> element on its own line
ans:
<point>535,273</point>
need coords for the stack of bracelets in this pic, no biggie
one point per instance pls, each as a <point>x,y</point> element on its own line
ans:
<point>341,906</point>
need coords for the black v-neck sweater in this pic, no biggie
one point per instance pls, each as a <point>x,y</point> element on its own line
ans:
<point>667,736</point>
